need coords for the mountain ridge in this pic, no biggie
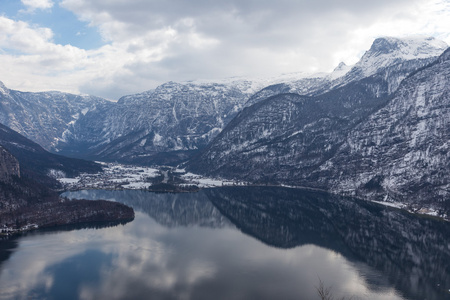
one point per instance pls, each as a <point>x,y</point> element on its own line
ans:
<point>325,153</point>
<point>172,122</point>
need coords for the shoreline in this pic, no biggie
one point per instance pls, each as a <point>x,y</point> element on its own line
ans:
<point>392,205</point>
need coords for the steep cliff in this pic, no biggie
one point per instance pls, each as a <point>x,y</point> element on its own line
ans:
<point>174,118</point>
<point>359,139</point>
<point>44,117</point>
<point>286,137</point>
<point>401,151</point>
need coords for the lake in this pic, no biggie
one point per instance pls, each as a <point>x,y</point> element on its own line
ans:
<point>233,243</point>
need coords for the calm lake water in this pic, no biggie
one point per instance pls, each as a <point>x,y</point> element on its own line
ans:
<point>233,243</point>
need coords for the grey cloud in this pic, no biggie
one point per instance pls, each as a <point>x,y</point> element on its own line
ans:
<point>253,36</point>
<point>220,17</point>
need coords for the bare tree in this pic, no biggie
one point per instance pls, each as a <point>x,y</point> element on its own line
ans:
<point>325,292</point>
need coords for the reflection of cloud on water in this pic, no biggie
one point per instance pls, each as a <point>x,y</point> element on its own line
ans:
<point>194,259</point>
<point>143,259</point>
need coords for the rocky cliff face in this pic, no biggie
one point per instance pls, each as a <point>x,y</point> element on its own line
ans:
<point>44,117</point>
<point>9,165</point>
<point>358,139</point>
<point>402,150</point>
<point>285,137</point>
<point>172,118</point>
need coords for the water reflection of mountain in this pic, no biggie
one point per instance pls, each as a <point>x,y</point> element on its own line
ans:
<point>7,247</point>
<point>413,252</point>
<point>168,209</point>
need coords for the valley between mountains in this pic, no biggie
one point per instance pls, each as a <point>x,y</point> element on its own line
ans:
<point>378,130</point>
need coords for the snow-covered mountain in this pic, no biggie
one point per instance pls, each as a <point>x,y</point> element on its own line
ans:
<point>401,151</point>
<point>286,136</point>
<point>395,57</point>
<point>389,51</point>
<point>43,117</point>
<point>175,117</point>
<point>358,139</point>
<point>173,121</point>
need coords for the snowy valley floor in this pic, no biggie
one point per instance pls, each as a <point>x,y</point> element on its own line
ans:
<point>118,176</point>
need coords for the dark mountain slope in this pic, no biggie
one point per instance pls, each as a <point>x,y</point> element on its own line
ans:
<point>286,137</point>
<point>402,151</point>
<point>357,140</point>
<point>26,203</point>
<point>40,164</point>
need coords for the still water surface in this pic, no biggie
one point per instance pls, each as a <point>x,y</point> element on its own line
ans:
<point>233,243</point>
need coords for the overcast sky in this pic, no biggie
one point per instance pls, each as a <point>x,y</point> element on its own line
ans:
<point>111,48</point>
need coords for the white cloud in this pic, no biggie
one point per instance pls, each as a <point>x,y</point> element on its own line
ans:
<point>37,4</point>
<point>18,35</point>
<point>150,42</point>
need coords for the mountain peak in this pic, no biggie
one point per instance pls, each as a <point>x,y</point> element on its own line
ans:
<point>410,47</point>
<point>341,66</point>
<point>3,88</point>
<point>340,70</point>
<point>388,51</point>
<point>384,45</point>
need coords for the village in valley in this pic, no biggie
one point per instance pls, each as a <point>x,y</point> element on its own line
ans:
<point>161,179</point>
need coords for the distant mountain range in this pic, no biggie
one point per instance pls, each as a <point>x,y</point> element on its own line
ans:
<point>378,129</point>
<point>175,120</point>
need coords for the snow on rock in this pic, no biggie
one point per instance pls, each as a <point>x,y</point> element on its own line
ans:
<point>56,173</point>
<point>137,185</point>
<point>363,139</point>
<point>387,51</point>
<point>205,182</point>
